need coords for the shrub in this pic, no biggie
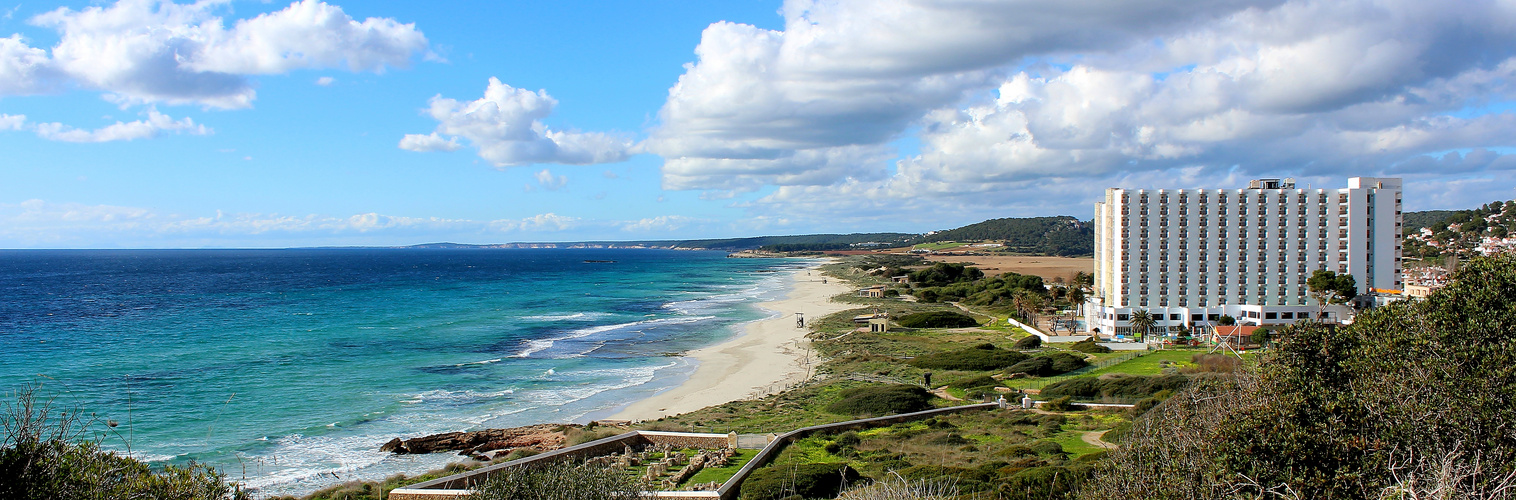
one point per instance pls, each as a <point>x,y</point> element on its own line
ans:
<point>1044,483</point>
<point>1089,346</point>
<point>43,456</point>
<point>881,400</point>
<point>979,358</point>
<point>1130,386</point>
<point>899,488</point>
<point>557,481</point>
<point>821,480</point>
<point>980,381</point>
<point>1047,448</point>
<point>1058,404</point>
<point>1213,363</point>
<point>937,319</point>
<point>1031,342</point>
<point>1045,366</point>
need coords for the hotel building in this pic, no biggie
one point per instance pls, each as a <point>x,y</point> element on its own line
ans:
<point>1190,256</point>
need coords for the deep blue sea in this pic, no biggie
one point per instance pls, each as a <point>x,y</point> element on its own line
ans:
<point>288,368</point>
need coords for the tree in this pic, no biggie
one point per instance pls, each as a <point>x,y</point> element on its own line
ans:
<point>1076,297</point>
<point>1143,321</point>
<point>1328,287</point>
<point>1226,320</point>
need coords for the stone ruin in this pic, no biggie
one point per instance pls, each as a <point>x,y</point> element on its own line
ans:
<point>684,466</point>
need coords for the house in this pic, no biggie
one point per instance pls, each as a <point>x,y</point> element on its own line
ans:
<point>904,278</point>
<point>879,322</point>
<point>1237,335</point>
<point>873,292</point>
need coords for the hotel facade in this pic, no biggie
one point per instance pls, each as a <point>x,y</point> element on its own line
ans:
<point>1190,256</point>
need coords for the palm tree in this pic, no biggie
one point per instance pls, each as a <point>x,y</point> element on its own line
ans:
<point>1143,321</point>
<point>1076,297</point>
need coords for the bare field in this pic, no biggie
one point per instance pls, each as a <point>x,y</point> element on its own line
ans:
<point>1046,267</point>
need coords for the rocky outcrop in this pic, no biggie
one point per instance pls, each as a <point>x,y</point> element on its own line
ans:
<point>542,437</point>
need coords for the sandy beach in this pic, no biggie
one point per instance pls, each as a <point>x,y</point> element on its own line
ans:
<point>766,357</point>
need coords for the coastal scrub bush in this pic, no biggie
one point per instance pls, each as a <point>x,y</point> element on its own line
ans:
<point>980,381</point>
<point>1089,346</point>
<point>44,455</point>
<point>1045,366</point>
<point>558,481</point>
<point>983,357</point>
<point>881,400</point>
<point>817,480</point>
<point>896,487</point>
<point>1031,342</point>
<point>1116,386</point>
<point>1063,403</point>
<point>937,319</point>
<point>1045,483</point>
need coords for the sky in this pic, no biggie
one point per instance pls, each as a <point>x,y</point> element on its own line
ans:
<point>156,124</point>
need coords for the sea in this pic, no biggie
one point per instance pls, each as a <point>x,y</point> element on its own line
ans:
<point>287,369</point>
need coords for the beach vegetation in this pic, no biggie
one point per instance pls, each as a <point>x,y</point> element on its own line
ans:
<point>52,452</point>
<point>981,357</point>
<point>1048,365</point>
<point>1116,387</point>
<point>945,273</point>
<point>938,319</point>
<point>1029,342</point>
<point>558,481</point>
<point>882,400</point>
<point>811,480</point>
<point>1089,346</point>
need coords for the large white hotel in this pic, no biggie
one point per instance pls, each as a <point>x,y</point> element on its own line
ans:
<point>1190,256</point>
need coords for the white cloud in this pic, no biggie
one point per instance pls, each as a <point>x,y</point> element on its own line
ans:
<point>146,51</point>
<point>12,122</point>
<point>548,222</point>
<point>549,181</point>
<point>325,81</point>
<point>659,223</point>
<point>1026,107</point>
<point>155,124</point>
<point>428,143</point>
<point>506,127</point>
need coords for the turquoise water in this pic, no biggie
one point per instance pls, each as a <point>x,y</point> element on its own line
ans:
<point>288,368</point>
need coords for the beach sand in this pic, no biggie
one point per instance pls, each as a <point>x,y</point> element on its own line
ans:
<point>766,357</point>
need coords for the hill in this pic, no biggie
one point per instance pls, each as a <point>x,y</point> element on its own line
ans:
<point>1062,236</point>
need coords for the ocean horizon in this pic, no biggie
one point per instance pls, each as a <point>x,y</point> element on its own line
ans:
<point>287,369</point>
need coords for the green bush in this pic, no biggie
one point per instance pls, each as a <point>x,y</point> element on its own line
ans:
<point>1058,404</point>
<point>823,480</point>
<point>558,481</point>
<point>1126,386</point>
<point>1049,365</point>
<point>980,381</point>
<point>937,319</point>
<point>1031,342</point>
<point>881,400</point>
<point>1089,346</point>
<point>1047,448</point>
<point>983,357</point>
<point>43,456</point>
<point>1045,483</point>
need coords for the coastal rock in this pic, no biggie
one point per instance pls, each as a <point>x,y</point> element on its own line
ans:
<point>541,436</point>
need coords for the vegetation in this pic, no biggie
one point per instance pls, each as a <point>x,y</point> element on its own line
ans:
<point>1089,346</point>
<point>978,358</point>
<point>1061,236</point>
<point>937,319</point>
<point>558,481</point>
<point>1410,401</point>
<point>45,454</point>
<point>1030,342</point>
<point>1049,365</point>
<point>1331,288</point>
<point>1116,387</point>
<point>1457,230</point>
<point>815,480</point>
<point>806,239</point>
<point>944,273</point>
<point>882,400</point>
<point>999,292</point>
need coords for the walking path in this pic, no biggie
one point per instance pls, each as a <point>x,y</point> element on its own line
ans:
<point>1093,439</point>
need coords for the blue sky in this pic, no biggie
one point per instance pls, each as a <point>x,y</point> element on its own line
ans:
<point>251,124</point>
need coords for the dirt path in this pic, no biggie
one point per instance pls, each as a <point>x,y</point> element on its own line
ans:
<point>942,392</point>
<point>1093,439</point>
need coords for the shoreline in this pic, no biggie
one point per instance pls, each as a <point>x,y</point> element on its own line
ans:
<point>766,357</point>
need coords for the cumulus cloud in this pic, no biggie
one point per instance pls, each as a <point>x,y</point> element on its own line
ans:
<point>428,143</point>
<point>541,222</point>
<point>550,182</point>
<point>155,124</point>
<point>12,122</point>
<point>150,51</point>
<point>506,127</point>
<point>659,223</point>
<point>1018,106</point>
<point>325,81</point>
